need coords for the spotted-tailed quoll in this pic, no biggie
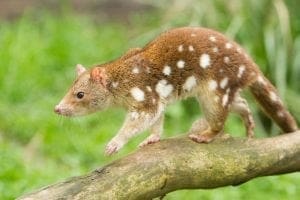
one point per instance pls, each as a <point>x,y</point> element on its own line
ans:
<point>180,63</point>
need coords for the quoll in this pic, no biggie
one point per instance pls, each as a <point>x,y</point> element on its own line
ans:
<point>180,63</point>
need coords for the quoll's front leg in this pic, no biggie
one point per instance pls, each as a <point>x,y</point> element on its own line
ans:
<point>135,123</point>
<point>155,132</point>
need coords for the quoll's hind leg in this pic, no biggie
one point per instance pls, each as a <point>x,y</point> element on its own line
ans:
<point>240,106</point>
<point>198,126</point>
<point>155,132</point>
<point>215,116</point>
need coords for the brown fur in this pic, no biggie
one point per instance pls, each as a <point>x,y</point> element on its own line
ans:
<point>164,51</point>
<point>274,109</point>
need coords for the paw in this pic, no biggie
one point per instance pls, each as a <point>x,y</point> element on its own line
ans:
<point>150,140</point>
<point>201,138</point>
<point>205,137</point>
<point>113,147</point>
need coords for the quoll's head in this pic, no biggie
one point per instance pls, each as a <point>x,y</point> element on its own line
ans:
<point>88,93</point>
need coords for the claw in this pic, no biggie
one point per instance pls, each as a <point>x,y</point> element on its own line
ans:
<point>204,137</point>
<point>201,138</point>
<point>112,147</point>
<point>150,140</point>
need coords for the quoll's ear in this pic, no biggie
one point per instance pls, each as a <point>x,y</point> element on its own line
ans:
<point>98,75</point>
<point>80,69</point>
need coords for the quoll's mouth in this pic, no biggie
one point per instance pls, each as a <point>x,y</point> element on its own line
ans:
<point>59,110</point>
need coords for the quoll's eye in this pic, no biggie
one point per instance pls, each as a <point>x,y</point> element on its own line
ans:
<point>80,95</point>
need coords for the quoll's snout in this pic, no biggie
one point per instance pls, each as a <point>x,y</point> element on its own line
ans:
<point>57,109</point>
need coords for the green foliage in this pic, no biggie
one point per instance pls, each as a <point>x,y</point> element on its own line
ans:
<point>37,57</point>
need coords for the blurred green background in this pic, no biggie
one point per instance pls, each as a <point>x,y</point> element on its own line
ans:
<point>42,41</point>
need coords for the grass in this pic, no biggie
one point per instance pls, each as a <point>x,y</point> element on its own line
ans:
<point>37,59</point>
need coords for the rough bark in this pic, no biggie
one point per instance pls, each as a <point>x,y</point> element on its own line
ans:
<point>179,163</point>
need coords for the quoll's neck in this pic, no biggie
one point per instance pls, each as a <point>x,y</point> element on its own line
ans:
<point>125,73</point>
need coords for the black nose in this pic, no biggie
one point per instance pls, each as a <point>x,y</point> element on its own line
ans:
<point>57,109</point>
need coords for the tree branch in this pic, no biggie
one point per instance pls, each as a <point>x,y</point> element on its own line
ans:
<point>179,163</point>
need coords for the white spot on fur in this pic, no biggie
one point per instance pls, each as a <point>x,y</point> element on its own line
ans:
<point>189,83</point>
<point>163,89</point>
<point>135,70</point>
<point>148,70</point>
<point>224,82</point>
<point>220,124</point>
<point>280,114</point>
<point>216,98</point>
<point>134,115</point>
<point>204,61</point>
<point>212,38</point>
<point>180,64</point>
<point>228,45</point>
<point>180,48</point>
<point>226,59</point>
<point>221,70</point>
<point>225,100</point>
<point>167,70</point>
<point>137,94</point>
<point>191,48</point>
<point>149,88</point>
<point>273,96</point>
<point>241,71</point>
<point>261,80</point>
<point>239,50</point>
<point>153,100</point>
<point>115,84</point>
<point>212,85</point>
<point>215,50</point>
<point>193,35</point>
